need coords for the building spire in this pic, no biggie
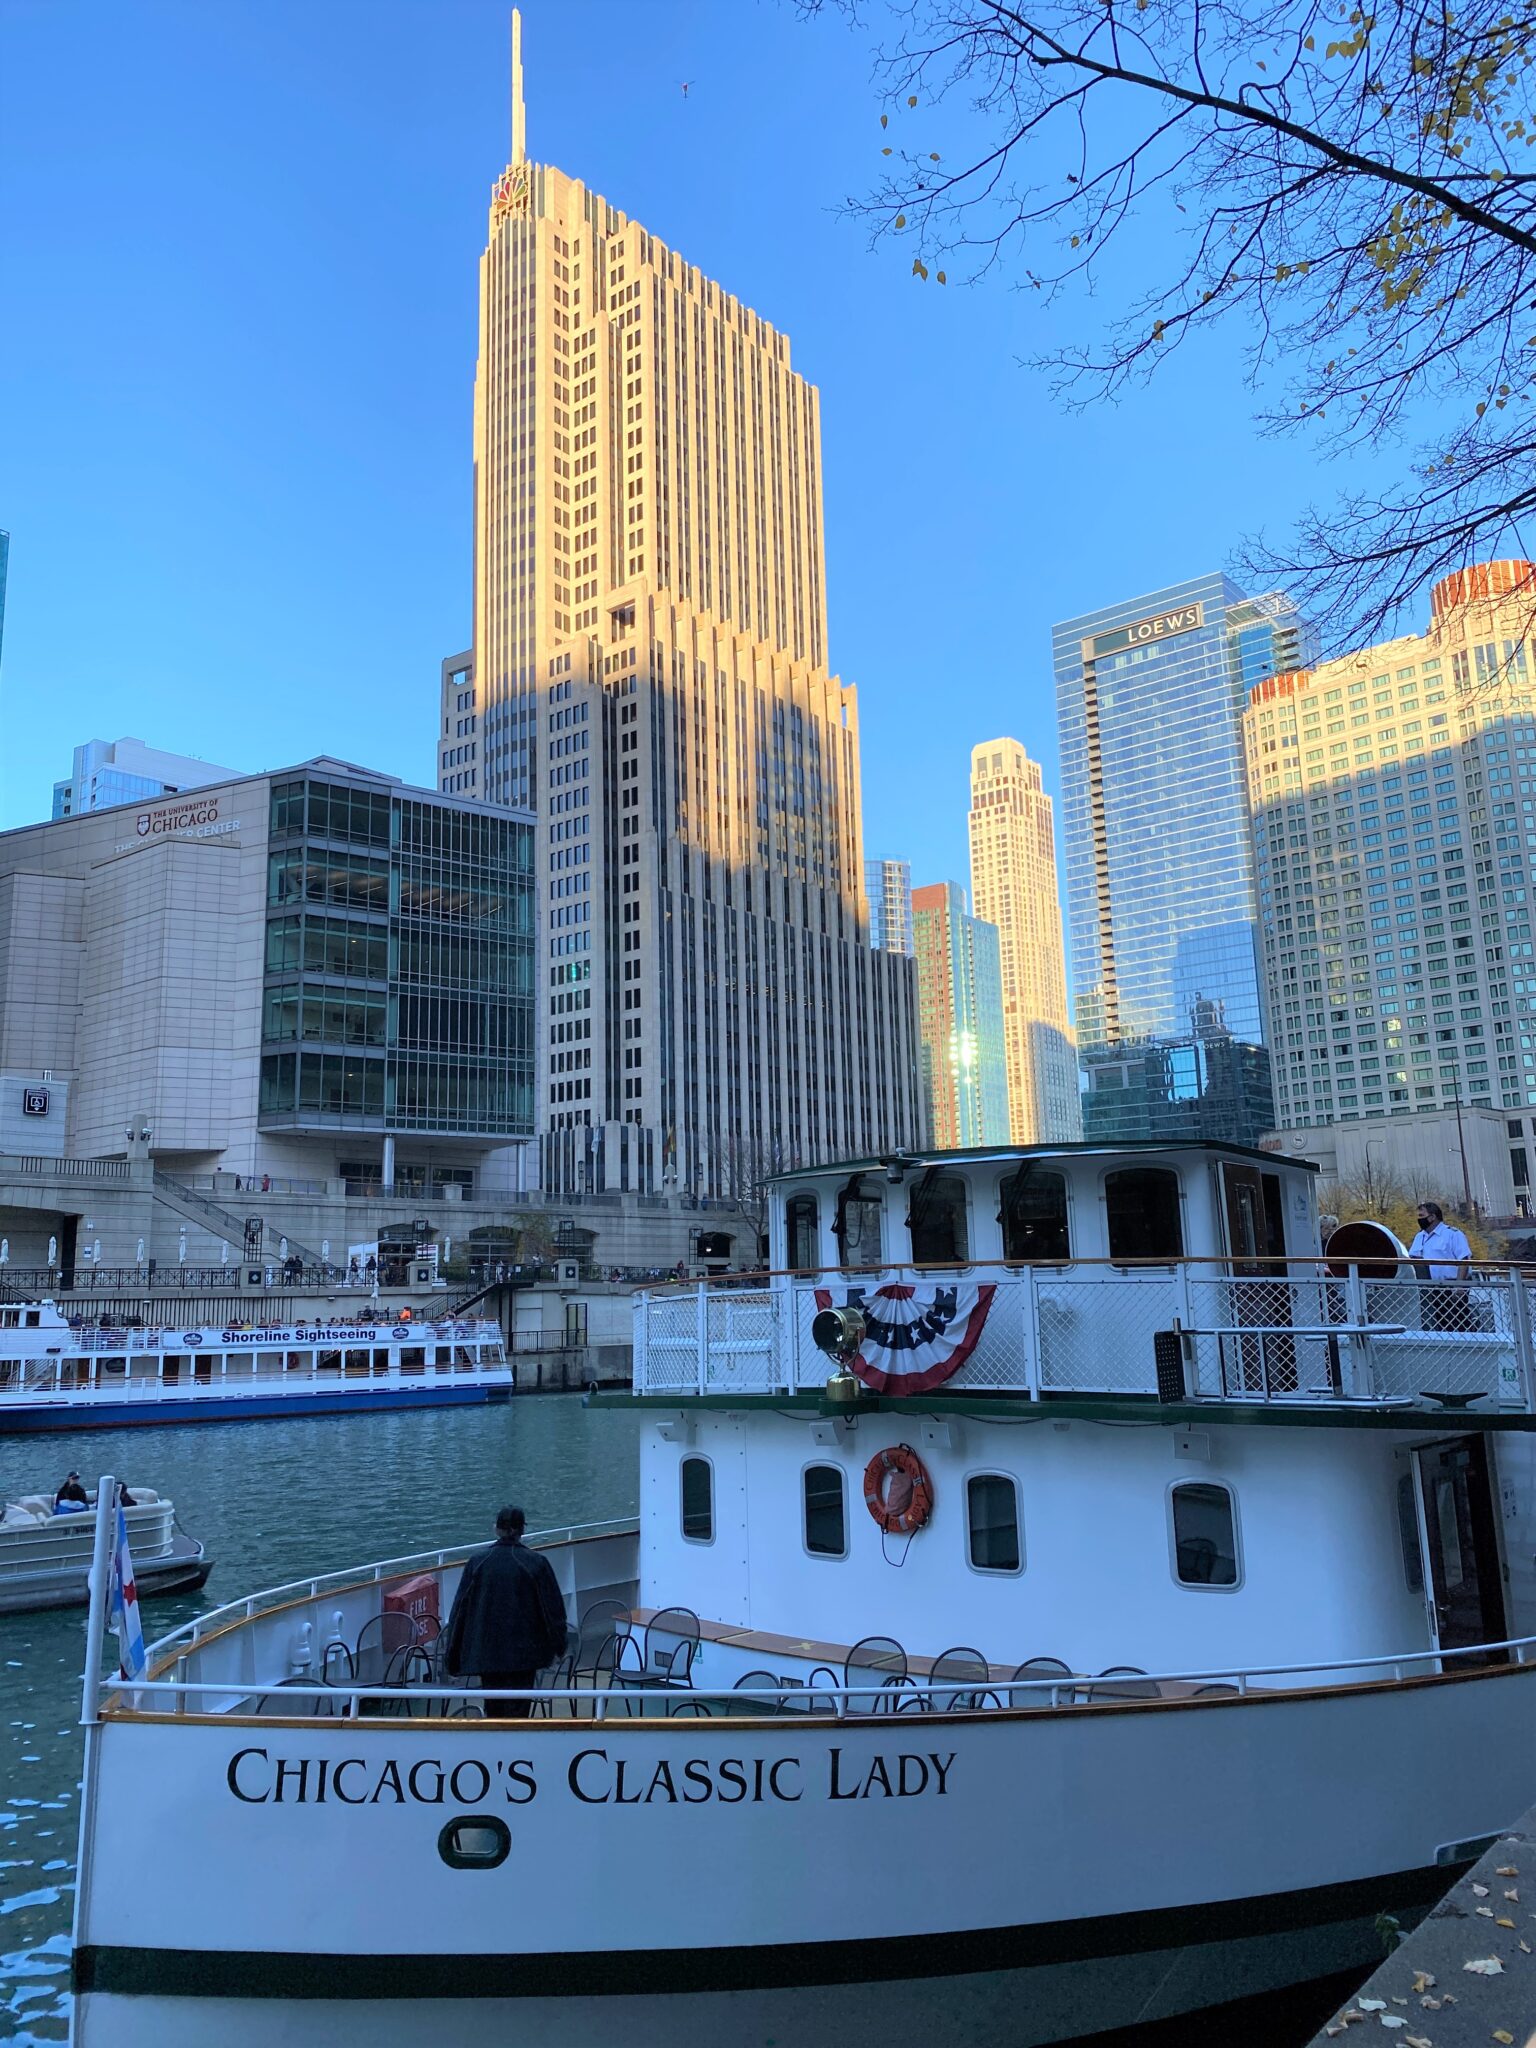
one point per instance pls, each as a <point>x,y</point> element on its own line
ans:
<point>519,112</point>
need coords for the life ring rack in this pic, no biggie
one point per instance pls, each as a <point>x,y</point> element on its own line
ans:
<point>898,1491</point>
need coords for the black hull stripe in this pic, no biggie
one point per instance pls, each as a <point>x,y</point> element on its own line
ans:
<point>198,1973</point>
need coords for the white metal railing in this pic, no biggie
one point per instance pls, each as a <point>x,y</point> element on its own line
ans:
<point>190,1633</point>
<point>352,1698</point>
<point>1267,1331</point>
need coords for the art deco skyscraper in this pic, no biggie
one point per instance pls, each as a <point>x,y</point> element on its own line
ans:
<point>649,676</point>
<point>1013,885</point>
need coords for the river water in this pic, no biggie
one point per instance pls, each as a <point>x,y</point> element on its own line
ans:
<point>272,1501</point>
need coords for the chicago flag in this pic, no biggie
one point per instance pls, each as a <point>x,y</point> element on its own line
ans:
<point>125,1606</point>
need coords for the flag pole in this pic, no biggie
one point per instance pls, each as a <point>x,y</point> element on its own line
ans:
<point>95,1628</point>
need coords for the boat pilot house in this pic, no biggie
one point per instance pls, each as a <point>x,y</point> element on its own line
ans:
<point>1147,1421</point>
<point>1073,1513</point>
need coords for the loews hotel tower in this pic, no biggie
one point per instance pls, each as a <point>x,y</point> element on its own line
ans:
<point>649,677</point>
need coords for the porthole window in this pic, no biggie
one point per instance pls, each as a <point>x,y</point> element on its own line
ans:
<point>992,1516</point>
<point>698,1500</point>
<point>1204,1534</point>
<point>1141,1206</point>
<point>826,1512</point>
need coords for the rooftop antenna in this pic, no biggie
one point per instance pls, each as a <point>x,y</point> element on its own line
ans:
<point>519,111</point>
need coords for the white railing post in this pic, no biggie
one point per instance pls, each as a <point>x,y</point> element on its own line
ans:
<point>1520,1321</point>
<point>703,1339</point>
<point>1189,1321</point>
<point>1031,1323</point>
<point>96,1593</point>
<point>1362,1362</point>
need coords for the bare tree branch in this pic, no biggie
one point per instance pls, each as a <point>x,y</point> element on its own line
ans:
<point>1348,183</point>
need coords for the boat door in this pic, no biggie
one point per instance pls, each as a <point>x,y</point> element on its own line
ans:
<point>1253,1209</point>
<point>1463,1573</point>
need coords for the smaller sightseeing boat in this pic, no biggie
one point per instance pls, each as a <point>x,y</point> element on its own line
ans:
<point>45,1558</point>
<point>55,1374</point>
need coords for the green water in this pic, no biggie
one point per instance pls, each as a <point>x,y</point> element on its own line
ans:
<point>273,1501</point>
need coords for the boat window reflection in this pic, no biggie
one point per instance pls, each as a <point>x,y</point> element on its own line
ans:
<point>858,1227</point>
<point>992,1513</point>
<point>802,1227</point>
<point>1204,1534</point>
<point>936,1220</point>
<point>826,1518</point>
<point>1141,1206</point>
<point>698,1481</point>
<point>1033,1212</point>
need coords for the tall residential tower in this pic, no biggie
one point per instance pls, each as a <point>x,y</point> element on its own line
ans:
<point>649,676</point>
<point>888,885</point>
<point>1391,792</point>
<point>1013,886</point>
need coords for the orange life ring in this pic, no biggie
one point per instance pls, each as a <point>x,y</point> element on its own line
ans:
<point>902,1508</point>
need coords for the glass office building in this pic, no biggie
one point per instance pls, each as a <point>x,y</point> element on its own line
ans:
<point>398,986</point>
<point>1161,905</point>
<point>960,1020</point>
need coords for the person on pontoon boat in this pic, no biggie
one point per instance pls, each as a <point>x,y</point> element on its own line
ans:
<point>71,1497</point>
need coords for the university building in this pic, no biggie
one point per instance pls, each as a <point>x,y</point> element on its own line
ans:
<point>649,678</point>
<point>314,975</point>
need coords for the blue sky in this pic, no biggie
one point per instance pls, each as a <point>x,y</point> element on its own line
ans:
<point>239,260</point>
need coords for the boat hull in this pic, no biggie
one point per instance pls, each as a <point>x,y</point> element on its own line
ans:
<point>1030,1877</point>
<point>20,1417</point>
<point>839,1998</point>
<point>183,1571</point>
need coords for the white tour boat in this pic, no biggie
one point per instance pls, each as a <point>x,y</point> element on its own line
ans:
<point>58,1374</point>
<point>45,1558</point>
<point>1134,1609</point>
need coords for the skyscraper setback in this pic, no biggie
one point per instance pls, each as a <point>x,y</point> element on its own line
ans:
<point>649,675</point>
<point>1013,886</point>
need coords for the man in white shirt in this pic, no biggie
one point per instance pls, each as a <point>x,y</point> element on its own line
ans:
<point>1440,1252</point>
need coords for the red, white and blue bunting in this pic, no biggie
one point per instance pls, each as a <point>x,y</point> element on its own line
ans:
<point>914,1339</point>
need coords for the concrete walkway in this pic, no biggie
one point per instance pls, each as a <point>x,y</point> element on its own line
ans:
<point>1467,1974</point>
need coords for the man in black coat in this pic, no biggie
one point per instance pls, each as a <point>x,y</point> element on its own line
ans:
<point>508,1617</point>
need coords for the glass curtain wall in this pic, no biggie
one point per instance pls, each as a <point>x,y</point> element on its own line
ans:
<point>398,988</point>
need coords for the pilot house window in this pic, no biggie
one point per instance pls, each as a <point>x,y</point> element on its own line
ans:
<point>936,1219</point>
<point>857,1228</point>
<point>800,1224</point>
<point>1141,1206</point>
<point>698,1500</point>
<point>1033,1213</point>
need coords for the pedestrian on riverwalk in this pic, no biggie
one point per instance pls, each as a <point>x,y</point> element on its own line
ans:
<point>508,1618</point>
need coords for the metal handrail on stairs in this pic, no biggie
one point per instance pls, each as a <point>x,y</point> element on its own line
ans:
<point>224,1221</point>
